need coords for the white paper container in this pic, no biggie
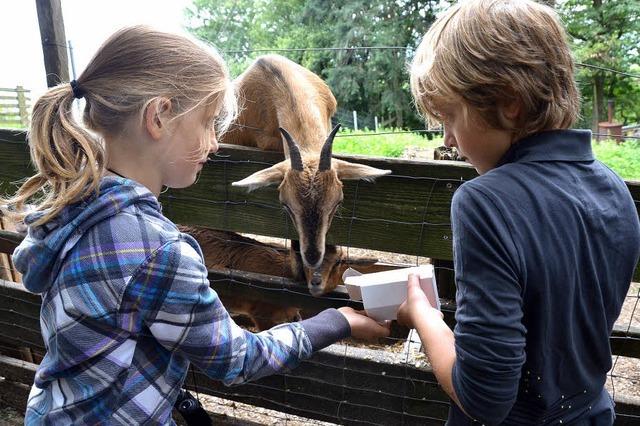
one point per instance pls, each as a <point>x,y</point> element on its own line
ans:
<point>382,293</point>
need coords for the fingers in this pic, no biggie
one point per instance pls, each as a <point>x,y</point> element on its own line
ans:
<point>414,280</point>
<point>385,329</point>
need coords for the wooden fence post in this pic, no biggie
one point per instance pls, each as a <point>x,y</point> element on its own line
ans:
<point>54,43</point>
<point>22,106</point>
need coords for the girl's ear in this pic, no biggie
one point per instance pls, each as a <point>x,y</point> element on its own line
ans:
<point>156,117</point>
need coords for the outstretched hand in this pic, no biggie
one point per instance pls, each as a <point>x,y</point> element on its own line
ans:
<point>417,304</point>
<point>363,327</point>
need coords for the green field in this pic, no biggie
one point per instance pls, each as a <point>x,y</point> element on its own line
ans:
<point>623,158</point>
<point>366,142</point>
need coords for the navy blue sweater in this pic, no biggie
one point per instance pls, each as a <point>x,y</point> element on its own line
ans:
<point>545,246</point>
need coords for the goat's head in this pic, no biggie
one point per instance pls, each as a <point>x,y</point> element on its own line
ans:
<point>310,191</point>
<point>326,278</point>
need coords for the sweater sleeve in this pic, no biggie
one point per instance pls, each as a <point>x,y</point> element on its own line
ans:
<point>185,315</point>
<point>489,334</point>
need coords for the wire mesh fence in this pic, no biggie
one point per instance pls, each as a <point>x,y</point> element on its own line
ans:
<point>404,217</point>
<point>406,223</point>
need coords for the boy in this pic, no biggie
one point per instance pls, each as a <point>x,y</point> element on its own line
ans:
<point>545,240</point>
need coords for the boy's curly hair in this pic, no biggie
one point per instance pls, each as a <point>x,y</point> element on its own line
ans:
<point>486,54</point>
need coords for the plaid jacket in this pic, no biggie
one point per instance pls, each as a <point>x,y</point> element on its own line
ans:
<point>127,305</point>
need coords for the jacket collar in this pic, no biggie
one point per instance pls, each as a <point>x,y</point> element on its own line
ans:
<point>551,145</point>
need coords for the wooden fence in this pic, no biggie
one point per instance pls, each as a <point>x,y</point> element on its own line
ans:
<point>406,212</point>
<point>14,107</point>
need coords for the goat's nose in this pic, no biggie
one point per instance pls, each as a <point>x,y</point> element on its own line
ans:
<point>316,278</point>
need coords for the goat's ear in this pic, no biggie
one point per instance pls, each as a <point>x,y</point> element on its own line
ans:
<point>350,171</point>
<point>270,176</point>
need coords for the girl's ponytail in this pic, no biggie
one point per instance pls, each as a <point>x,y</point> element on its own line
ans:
<point>135,65</point>
<point>69,161</point>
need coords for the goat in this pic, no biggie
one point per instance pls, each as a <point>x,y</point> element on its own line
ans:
<point>283,100</point>
<point>447,153</point>
<point>228,250</point>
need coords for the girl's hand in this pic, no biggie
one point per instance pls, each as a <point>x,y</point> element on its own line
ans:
<point>417,305</point>
<point>363,327</point>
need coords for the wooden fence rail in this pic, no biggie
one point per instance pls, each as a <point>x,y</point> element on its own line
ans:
<point>14,107</point>
<point>405,212</point>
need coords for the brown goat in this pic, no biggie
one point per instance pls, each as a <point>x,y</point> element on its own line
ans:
<point>447,153</point>
<point>283,100</point>
<point>228,250</point>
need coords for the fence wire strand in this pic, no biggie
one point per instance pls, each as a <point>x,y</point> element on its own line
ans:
<point>24,324</point>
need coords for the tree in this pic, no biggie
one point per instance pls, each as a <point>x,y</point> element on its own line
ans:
<point>370,81</point>
<point>606,34</point>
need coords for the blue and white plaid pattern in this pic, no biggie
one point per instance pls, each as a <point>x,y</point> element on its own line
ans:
<point>126,306</point>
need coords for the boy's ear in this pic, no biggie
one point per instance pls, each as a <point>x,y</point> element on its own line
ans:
<point>511,109</point>
<point>269,176</point>
<point>156,116</point>
<point>354,171</point>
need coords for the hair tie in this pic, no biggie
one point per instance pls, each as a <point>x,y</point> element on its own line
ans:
<point>78,92</point>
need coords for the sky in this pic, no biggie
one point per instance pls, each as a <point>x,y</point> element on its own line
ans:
<point>87,24</point>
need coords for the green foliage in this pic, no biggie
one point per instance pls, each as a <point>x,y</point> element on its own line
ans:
<point>624,159</point>
<point>373,82</point>
<point>366,142</point>
<point>606,33</point>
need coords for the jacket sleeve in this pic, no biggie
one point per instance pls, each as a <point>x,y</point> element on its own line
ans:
<point>489,334</point>
<point>184,314</point>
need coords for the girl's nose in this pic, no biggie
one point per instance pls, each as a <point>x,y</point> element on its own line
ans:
<point>213,143</point>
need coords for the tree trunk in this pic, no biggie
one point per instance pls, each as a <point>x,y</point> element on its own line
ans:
<point>598,101</point>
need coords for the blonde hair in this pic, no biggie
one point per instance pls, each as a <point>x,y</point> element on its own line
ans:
<point>486,54</point>
<point>135,66</point>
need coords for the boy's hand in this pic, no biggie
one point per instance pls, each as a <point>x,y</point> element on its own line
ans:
<point>417,305</point>
<point>363,327</point>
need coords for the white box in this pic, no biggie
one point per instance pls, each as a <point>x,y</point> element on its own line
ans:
<point>382,293</point>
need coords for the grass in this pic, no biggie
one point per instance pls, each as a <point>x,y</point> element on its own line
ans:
<point>624,159</point>
<point>365,142</point>
<point>11,125</point>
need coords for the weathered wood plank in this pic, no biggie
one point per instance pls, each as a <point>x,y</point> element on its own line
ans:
<point>20,309</point>
<point>349,384</point>
<point>406,212</point>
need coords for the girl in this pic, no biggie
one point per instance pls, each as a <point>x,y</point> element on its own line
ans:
<point>126,302</point>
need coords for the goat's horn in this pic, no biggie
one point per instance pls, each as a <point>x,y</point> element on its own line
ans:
<point>294,151</point>
<point>325,154</point>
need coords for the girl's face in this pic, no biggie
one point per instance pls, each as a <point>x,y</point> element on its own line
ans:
<point>483,146</point>
<point>193,139</point>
